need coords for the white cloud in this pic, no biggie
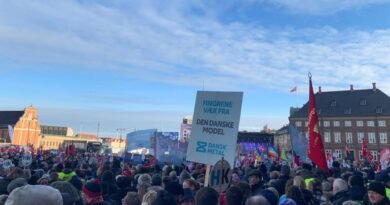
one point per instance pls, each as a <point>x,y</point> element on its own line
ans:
<point>323,7</point>
<point>166,44</point>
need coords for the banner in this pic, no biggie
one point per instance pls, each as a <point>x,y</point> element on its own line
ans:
<point>214,127</point>
<point>139,139</point>
<point>168,148</point>
<point>299,142</point>
<point>10,133</point>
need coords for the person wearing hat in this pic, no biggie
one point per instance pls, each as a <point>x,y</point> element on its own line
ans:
<point>254,179</point>
<point>377,194</point>
<point>92,193</point>
<point>35,195</point>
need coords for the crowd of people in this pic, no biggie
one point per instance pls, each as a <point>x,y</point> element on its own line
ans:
<point>83,180</point>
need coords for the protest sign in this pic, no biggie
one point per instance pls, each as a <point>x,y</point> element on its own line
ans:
<point>7,164</point>
<point>214,127</point>
<point>220,176</point>
<point>26,160</point>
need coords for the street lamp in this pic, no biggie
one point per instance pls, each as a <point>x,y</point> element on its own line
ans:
<point>120,130</point>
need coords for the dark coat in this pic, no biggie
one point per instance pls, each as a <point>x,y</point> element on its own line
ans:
<point>255,189</point>
<point>280,184</point>
<point>357,193</point>
<point>340,197</point>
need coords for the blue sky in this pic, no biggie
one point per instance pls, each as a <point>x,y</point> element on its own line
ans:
<point>138,65</point>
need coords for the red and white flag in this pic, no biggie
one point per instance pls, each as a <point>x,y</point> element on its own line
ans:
<point>315,151</point>
<point>294,89</point>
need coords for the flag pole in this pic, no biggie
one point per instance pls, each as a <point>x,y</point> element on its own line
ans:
<point>292,146</point>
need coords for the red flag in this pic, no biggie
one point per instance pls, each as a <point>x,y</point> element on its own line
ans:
<point>364,148</point>
<point>315,151</point>
<point>294,89</point>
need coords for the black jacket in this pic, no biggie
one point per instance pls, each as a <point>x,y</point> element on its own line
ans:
<point>255,189</point>
<point>340,197</point>
<point>280,184</point>
<point>357,193</point>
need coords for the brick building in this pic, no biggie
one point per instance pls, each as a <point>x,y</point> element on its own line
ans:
<point>25,124</point>
<point>348,116</point>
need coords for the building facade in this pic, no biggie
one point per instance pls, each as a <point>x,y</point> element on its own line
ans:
<point>282,138</point>
<point>52,137</point>
<point>346,117</point>
<point>116,145</point>
<point>25,126</point>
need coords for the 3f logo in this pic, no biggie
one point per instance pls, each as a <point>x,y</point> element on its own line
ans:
<point>201,146</point>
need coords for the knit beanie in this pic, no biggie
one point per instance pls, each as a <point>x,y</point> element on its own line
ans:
<point>35,195</point>
<point>183,176</point>
<point>144,179</point>
<point>356,181</point>
<point>270,196</point>
<point>66,187</point>
<point>18,182</point>
<point>92,192</point>
<point>156,180</point>
<point>377,187</point>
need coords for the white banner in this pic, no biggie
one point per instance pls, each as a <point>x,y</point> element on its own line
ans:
<point>214,127</point>
<point>10,132</point>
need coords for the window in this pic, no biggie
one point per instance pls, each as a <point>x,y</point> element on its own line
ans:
<point>374,155</point>
<point>327,137</point>
<point>326,123</point>
<point>348,111</point>
<point>371,138</point>
<point>306,123</point>
<point>333,103</point>
<point>363,102</point>
<point>359,123</point>
<point>370,123</point>
<point>360,155</point>
<point>348,137</point>
<point>307,135</point>
<point>338,153</point>
<point>379,110</point>
<point>347,123</point>
<point>337,137</point>
<point>336,123</point>
<point>382,123</point>
<point>360,136</point>
<point>298,123</point>
<point>383,137</point>
<point>328,152</point>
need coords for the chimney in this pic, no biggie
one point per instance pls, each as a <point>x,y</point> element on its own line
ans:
<point>374,87</point>
<point>319,89</point>
<point>351,87</point>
